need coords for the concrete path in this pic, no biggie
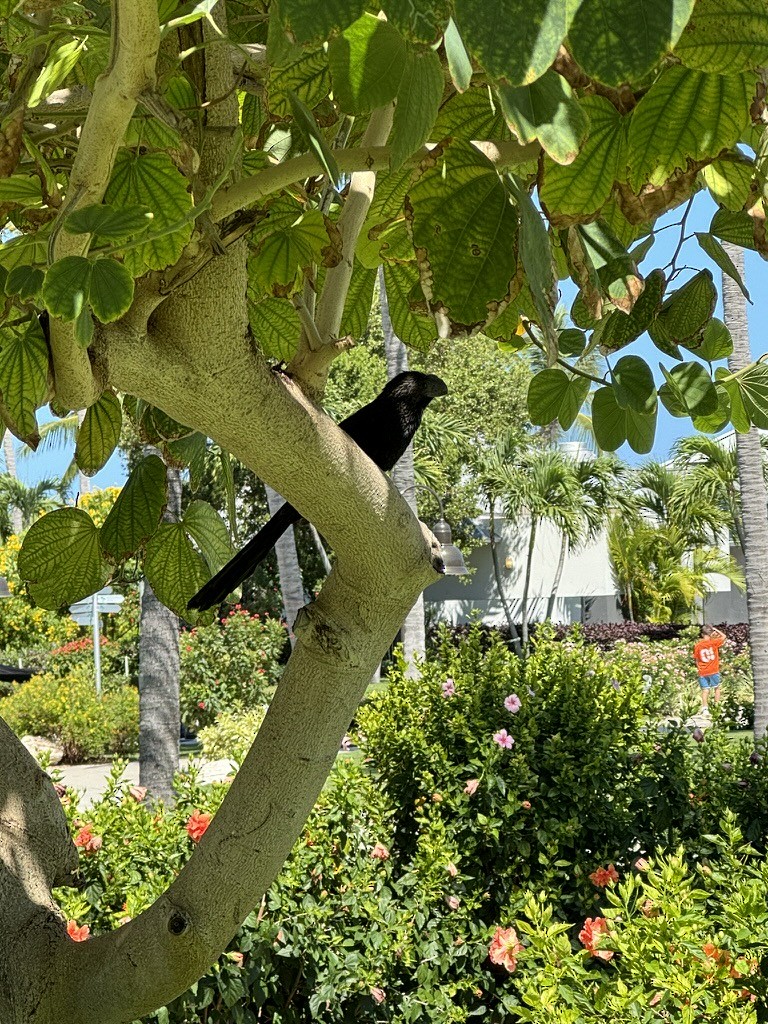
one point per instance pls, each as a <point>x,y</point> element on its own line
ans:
<point>91,779</point>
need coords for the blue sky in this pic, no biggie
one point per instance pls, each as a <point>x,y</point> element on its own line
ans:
<point>669,429</point>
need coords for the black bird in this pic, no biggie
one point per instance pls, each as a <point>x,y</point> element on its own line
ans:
<point>383,429</point>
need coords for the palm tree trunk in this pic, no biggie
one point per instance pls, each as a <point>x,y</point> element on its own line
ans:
<point>499,581</point>
<point>10,468</point>
<point>754,500</point>
<point>159,679</point>
<point>413,633</point>
<point>558,576</point>
<point>526,585</point>
<point>320,548</point>
<point>291,581</point>
<point>83,482</point>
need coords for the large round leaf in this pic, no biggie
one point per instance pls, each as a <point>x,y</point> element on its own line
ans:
<point>209,531</point>
<point>547,111</point>
<point>623,328</point>
<point>366,62</point>
<point>174,569</point>
<point>24,361</point>
<point>134,517</point>
<point>633,384</point>
<point>725,36</point>
<point>716,342</point>
<point>99,433</point>
<point>688,391</point>
<point>60,558</point>
<point>753,387</point>
<point>111,291</point>
<point>609,420</point>
<point>555,395</point>
<point>66,287</point>
<point>687,310</point>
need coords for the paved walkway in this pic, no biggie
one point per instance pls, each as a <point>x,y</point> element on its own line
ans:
<point>91,779</point>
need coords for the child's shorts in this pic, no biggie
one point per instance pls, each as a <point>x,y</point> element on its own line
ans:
<point>709,682</point>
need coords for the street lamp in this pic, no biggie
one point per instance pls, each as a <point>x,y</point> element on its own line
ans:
<point>453,560</point>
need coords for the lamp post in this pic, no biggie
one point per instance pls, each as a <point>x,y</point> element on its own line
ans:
<point>453,560</point>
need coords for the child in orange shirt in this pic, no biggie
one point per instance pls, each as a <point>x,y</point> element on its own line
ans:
<point>706,654</point>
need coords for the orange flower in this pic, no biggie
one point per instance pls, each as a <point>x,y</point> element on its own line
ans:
<point>380,852</point>
<point>471,787</point>
<point>589,936</point>
<point>378,994</point>
<point>236,958</point>
<point>87,840</point>
<point>504,948</point>
<point>77,933</point>
<point>604,876</point>
<point>197,823</point>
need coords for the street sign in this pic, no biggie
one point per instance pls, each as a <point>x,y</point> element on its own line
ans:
<point>87,613</point>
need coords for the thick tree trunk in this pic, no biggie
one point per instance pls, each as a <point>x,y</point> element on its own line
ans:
<point>159,679</point>
<point>10,467</point>
<point>413,633</point>
<point>558,576</point>
<point>291,582</point>
<point>754,500</point>
<point>527,583</point>
<point>499,579</point>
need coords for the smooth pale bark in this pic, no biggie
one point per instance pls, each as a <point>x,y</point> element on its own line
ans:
<point>83,482</point>
<point>499,579</point>
<point>159,679</point>
<point>558,576</point>
<point>10,467</point>
<point>527,583</point>
<point>754,499</point>
<point>413,632</point>
<point>291,582</point>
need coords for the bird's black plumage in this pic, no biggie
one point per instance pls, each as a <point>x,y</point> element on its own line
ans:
<point>383,429</point>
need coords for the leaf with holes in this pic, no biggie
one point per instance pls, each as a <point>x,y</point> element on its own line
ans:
<point>548,111</point>
<point>633,384</point>
<point>99,433</point>
<point>24,377</point>
<point>618,41</point>
<point>175,571</point>
<point>583,186</point>
<point>464,229</point>
<point>134,517</point>
<point>60,559</point>
<point>514,40</point>
<point>725,36</point>
<point>151,180</point>
<point>111,290</point>
<point>418,101</point>
<point>366,63</point>
<point>685,115</point>
<point>209,531</point>
<point>66,287</point>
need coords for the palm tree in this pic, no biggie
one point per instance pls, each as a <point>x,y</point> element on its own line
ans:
<point>31,500</point>
<point>753,497</point>
<point>60,434</point>
<point>710,474</point>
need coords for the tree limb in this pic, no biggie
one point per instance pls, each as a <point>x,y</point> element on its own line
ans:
<point>131,70</point>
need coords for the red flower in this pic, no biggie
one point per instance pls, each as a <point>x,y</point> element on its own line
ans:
<point>504,948</point>
<point>589,936</point>
<point>604,876</point>
<point>77,933</point>
<point>87,840</point>
<point>197,823</point>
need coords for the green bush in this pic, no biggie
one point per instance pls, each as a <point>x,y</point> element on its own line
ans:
<point>231,735</point>
<point>67,709</point>
<point>230,665</point>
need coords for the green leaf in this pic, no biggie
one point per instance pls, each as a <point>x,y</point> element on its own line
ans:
<point>618,41</point>
<point>717,342</point>
<point>571,342</point>
<point>60,558</point>
<point>555,395</point>
<point>418,101</point>
<point>25,282</point>
<point>536,256</point>
<point>316,19</point>
<point>307,78</point>
<point>134,517</point>
<point>641,430</point>
<point>470,115</point>
<point>209,531</point>
<point>422,22</point>
<point>22,189</point>
<point>252,118</point>
<point>315,138</point>
<point>276,327</point>
<point>459,64</point>
<point>609,420</point>
<point>416,331</point>
<point>717,253</point>
<point>739,229</point>
<point>730,181</point>
<point>99,433</point>
<point>514,40</point>
<point>689,390</point>
<point>616,269</point>
<point>151,180</point>
<point>633,385</point>
<point>582,187</point>
<point>461,217</point>
<point>547,111</point>
<point>66,287</point>
<point>753,388</point>
<point>84,327</point>
<point>718,420</point>
<point>24,361</point>
<point>357,309</point>
<point>685,115</point>
<point>56,69</point>
<point>366,63</point>
<point>286,243</point>
<point>686,310</point>
<point>622,328</point>
<point>173,568</point>
<point>109,222</point>
<point>111,289</point>
<point>725,36</point>
<point>739,417</point>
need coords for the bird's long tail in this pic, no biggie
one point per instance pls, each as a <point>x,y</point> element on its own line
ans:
<point>245,561</point>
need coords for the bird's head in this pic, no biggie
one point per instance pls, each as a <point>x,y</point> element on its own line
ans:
<point>416,385</point>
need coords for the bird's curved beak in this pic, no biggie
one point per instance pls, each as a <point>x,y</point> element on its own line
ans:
<point>437,386</point>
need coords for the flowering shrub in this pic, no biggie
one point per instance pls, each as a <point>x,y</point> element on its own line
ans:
<point>66,709</point>
<point>230,665</point>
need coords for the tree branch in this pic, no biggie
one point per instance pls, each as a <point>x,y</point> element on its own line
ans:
<point>135,42</point>
<point>250,190</point>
